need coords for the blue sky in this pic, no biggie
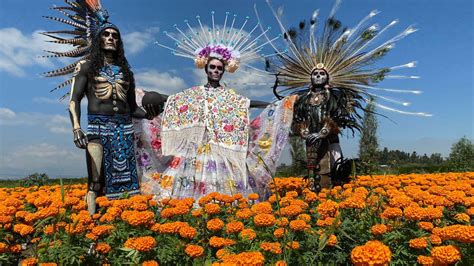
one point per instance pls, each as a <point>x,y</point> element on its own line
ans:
<point>35,134</point>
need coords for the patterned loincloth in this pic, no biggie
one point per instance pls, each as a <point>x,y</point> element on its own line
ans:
<point>119,166</point>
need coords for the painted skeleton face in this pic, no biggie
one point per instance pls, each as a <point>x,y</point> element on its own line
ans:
<point>319,77</point>
<point>215,70</point>
<point>109,39</point>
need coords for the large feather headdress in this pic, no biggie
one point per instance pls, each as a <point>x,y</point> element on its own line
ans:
<point>87,19</point>
<point>234,45</point>
<point>347,54</point>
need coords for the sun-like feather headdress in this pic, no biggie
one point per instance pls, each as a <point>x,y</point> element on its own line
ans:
<point>347,54</point>
<point>87,19</point>
<point>230,43</point>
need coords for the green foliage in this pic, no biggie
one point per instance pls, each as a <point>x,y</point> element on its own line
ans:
<point>461,157</point>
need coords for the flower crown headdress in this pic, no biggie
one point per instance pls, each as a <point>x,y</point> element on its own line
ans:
<point>87,19</point>
<point>233,45</point>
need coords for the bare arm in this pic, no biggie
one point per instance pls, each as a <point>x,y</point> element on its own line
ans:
<point>78,90</point>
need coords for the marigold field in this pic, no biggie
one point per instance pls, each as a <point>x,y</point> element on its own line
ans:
<point>416,219</point>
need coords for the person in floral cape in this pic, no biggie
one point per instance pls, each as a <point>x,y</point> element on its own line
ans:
<point>204,140</point>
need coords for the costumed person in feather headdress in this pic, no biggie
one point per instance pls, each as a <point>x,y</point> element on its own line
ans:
<point>103,75</point>
<point>332,74</point>
<point>205,130</point>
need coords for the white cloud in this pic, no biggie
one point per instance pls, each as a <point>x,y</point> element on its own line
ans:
<point>19,50</point>
<point>44,157</point>
<point>137,41</point>
<point>162,82</point>
<point>59,124</point>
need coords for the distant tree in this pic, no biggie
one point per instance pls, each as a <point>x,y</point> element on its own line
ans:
<point>35,179</point>
<point>368,143</point>
<point>461,157</point>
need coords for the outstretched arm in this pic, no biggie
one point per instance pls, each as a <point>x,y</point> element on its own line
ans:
<point>78,89</point>
<point>135,110</point>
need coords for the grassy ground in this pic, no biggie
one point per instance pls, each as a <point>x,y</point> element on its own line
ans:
<point>66,181</point>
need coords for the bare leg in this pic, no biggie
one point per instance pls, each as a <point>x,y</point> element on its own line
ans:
<point>94,167</point>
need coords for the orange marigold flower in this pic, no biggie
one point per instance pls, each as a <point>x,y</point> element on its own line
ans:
<point>299,225</point>
<point>425,260</point>
<point>390,213</point>
<point>332,241</point>
<point>194,251</point>
<point>219,242</point>
<point>102,230</point>
<point>15,248</point>
<point>462,217</point>
<point>187,232</point>
<point>274,248</point>
<point>327,222</point>
<point>293,245</point>
<point>248,234</point>
<point>150,263</point>
<point>279,232</point>
<point>435,240</point>
<point>48,264</point>
<point>291,194</point>
<point>3,247</point>
<point>212,208</point>
<point>234,227</point>
<point>171,228</point>
<point>263,219</point>
<point>215,224</point>
<point>305,217</point>
<point>91,236</point>
<point>446,254</point>
<point>29,262</point>
<point>292,210</point>
<point>155,228</point>
<point>282,222</point>
<point>221,253</point>
<point>23,229</point>
<point>427,226</point>
<point>253,196</point>
<point>379,229</point>
<point>142,244</point>
<point>418,243</point>
<point>262,207</point>
<point>372,253</point>
<point>310,197</point>
<point>244,214</point>
<point>103,248</point>
<point>327,208</point>
<point>281,263</point>
<point>196,213</point>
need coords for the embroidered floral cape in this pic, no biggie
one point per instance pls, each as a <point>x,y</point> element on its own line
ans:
<point>204,142</point>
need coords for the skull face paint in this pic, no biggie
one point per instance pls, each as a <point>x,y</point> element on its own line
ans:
<point>319,77</point>
<point>109,39</point>
<point>215,70</point>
